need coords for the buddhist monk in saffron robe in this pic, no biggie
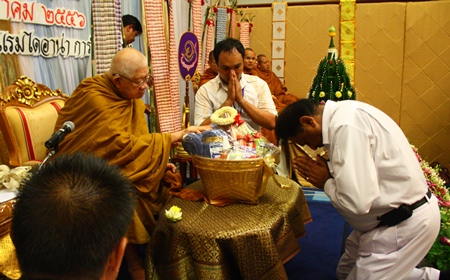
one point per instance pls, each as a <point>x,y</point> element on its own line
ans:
<point>281,96</point>
<point>108,113</point>
<point>211,72</point>
<point>250,62</point>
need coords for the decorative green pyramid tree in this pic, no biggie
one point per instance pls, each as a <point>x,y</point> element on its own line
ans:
<point>331,81</point>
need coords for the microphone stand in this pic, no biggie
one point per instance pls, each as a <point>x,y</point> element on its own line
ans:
<point>49,155</point>
<point>55,139</point>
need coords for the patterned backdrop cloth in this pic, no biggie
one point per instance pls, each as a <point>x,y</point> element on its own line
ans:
<point>209,41</point>
<point>244,34</point>
<point>174,93</point>
<point>233,24</point>
<point>167,97</point>
<point>197,29</point>
<point>221,28</point>
<point>347,34</point>
<point>107,18</point>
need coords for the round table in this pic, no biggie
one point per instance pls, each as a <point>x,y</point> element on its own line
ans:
<point>238,241</point>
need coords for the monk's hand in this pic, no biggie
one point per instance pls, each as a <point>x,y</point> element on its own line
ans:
<point>178,136</point>
<point>197,129</point>
<point>171,167</point>
<point>314,171</point>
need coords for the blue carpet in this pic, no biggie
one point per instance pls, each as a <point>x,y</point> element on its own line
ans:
<point>321,248</point>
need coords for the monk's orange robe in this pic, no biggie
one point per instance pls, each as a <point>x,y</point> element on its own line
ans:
<point>276,86</point>
<point>280,98</point>
<point>116,129</point>
<point>250,72</point>
<point>206,77</point>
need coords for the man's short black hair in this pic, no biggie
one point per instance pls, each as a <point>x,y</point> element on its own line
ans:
<point>228,45</point>
<point>69,217</point>
<point>129,19</point>
<point>288,121</point>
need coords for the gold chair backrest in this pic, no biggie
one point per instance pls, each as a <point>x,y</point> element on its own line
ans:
<point>28,113</point>
<point>195,81</point>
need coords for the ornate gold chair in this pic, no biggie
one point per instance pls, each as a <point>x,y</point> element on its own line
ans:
<point>196,81</point>
<point>28,113</point>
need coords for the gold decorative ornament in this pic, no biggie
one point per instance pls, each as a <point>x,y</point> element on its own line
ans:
<point>28,92</point>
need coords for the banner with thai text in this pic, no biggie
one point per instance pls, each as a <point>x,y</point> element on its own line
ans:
<point>48,41</point>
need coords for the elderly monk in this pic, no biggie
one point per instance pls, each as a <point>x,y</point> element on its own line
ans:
<point>250,62</point>
<point>211,72</point>
<point>281,96</point>
<point>109,116</point>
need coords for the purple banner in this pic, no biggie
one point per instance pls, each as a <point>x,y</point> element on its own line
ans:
<point>188,55</point>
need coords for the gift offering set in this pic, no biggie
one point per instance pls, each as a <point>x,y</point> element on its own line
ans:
<point>233,160</point>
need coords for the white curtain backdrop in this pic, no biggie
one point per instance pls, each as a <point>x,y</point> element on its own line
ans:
<point>57,72</point>
<point>67,73</point>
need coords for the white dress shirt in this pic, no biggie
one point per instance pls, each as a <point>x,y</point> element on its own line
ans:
<point>373,166</point>
<point>213,94</point>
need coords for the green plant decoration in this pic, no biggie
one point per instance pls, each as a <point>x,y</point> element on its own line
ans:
<point>331,81</point>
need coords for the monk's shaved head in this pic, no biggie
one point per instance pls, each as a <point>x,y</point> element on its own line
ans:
<point>127,61</point>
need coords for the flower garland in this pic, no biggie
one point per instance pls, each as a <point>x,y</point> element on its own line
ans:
<point>217,116</point>
<point>439,254</point>
<point>245,24</point>
<point>209,37</point>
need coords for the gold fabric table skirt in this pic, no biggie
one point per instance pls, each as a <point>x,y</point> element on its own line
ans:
<point>9,265</point>
<point>238,241</point>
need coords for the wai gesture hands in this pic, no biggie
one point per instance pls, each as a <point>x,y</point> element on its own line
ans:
<point>234,90</point>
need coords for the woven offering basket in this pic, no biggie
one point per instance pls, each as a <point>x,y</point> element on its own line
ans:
<point>239,181</point>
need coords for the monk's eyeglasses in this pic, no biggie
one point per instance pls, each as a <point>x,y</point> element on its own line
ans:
<point>139,84</point>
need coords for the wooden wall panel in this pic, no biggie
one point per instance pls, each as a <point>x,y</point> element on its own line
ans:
<point>402,61</point>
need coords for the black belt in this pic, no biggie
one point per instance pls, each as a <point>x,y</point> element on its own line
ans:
<point>421,202</point>
<point>401,213</point>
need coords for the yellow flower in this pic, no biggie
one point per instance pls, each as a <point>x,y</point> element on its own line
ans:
<point>174,213</point>
<point>338,94</point>
<point>322,94</point>
<point>349,94</point>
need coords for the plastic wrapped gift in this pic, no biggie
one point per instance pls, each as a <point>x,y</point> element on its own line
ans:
<point>233,160</point>
<point>231,138</point>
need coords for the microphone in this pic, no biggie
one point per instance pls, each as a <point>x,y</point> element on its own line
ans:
<point>59,135</point>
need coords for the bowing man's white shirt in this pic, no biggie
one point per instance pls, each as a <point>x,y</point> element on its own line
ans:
<point>373,165</point>
<point>213,94</point>
<point>375,170</point>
